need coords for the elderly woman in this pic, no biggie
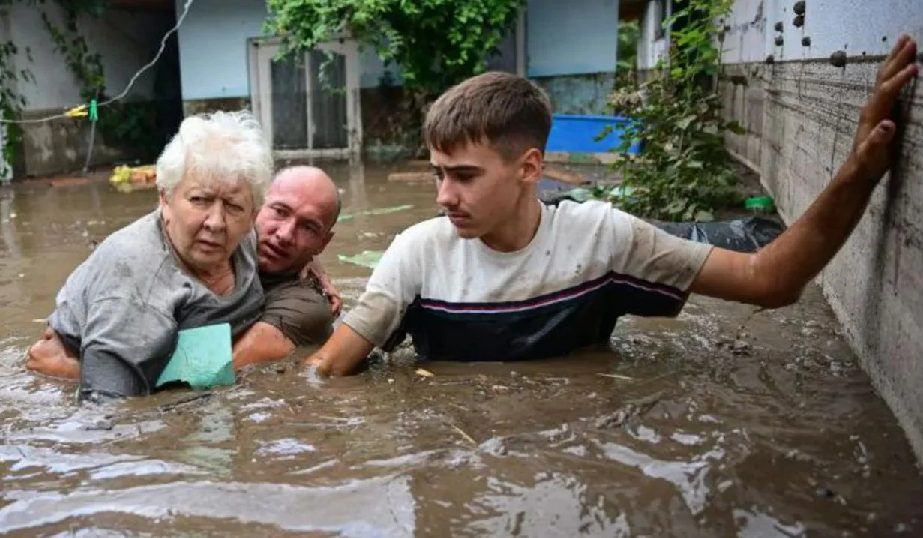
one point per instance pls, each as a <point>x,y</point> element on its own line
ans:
<point>189,263</point>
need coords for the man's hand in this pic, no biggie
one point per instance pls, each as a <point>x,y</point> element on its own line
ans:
<point>49,356</point>
<point>330,291</point>
<point>871,147</point>
<point>342,354</point>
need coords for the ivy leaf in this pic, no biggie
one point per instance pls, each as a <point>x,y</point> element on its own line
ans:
<point>685,122</point>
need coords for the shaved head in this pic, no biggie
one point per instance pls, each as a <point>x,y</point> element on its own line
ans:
<point>296,221</point>
<point>315,183</point>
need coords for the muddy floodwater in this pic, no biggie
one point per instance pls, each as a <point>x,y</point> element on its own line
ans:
<point>727,421</point>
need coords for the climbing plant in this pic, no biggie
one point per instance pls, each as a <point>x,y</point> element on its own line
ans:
<point>684,171</point>
<point>436,43</point>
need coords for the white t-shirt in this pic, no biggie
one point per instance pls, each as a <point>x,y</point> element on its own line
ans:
<point>587,265</point>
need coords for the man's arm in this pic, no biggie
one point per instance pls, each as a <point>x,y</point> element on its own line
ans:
<point>342,354</point>
<point>261,343</point>
<point>775,275</point>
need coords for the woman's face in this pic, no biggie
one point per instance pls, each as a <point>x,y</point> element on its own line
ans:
<point>206,218</point>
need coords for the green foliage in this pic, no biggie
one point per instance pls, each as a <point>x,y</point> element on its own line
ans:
<point>11,103</point>
<point>685,171</point>
<point>437,43</point>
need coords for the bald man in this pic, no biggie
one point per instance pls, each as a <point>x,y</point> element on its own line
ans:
<point>293,226</point>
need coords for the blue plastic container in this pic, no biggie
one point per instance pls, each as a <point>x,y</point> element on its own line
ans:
<point>577,134</point>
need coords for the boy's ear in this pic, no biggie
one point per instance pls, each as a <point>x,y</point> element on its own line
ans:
<point>533,165</point>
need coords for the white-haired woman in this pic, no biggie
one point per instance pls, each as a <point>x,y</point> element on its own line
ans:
<point>189,263</point>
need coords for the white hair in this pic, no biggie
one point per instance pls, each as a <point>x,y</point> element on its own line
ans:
<point>225,146</point>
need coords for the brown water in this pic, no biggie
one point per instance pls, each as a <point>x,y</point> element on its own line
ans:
<point>726,421</point>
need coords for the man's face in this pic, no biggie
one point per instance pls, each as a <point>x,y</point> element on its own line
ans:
<point>478,189</point>
<point>293,226</point>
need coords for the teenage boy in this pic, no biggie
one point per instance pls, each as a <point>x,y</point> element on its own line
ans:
<point>504,277</point>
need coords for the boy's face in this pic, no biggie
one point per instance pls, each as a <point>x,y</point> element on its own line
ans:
<point>478,189</point>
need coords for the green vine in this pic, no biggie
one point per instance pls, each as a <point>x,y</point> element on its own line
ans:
<point>87,67</point>
<point>11,104</point>
<point>436,43</point>
<point>684,171</point>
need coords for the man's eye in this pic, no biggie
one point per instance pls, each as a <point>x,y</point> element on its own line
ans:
<point>279,212</point>
<point>198,200</point>
<point>234,208</point>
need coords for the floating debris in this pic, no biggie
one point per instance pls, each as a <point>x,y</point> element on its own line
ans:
<point>617,376</point>
<point>366,258</point>
<point>379,211</point>
<point>422,372</point>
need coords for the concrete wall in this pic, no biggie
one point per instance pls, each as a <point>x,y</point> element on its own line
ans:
<point>126,41</point>
<point>570,38</point>
<point>800,113</point>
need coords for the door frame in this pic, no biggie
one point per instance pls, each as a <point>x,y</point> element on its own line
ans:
<point>261,51</point>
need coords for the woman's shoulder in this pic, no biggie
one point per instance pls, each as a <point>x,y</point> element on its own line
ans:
<point>130,255</point>
<point>142,236</point>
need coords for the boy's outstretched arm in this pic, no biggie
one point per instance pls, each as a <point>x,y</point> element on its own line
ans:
<point>775,275</point>
<point>342,354</point>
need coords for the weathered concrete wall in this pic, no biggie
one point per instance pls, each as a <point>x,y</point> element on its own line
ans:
<point>579,94</point>
<point>800,117</point>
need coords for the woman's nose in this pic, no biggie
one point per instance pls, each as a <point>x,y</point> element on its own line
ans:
<point>215,219</point>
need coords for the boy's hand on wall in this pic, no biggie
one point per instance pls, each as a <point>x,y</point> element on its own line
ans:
<point>872,145</point>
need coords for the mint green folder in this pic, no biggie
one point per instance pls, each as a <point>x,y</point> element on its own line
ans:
<point>202,358</point>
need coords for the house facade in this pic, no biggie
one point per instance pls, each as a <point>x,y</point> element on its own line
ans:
<point>228,62</point>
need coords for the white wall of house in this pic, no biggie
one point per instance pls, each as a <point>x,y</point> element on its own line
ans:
<point>213,46</point>
<point>855,26</point>
<point>213,49</point>
<point>126,41</point>
<point>570,38</point>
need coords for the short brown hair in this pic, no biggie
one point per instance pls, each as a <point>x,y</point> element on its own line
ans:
<point>507,112</point>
